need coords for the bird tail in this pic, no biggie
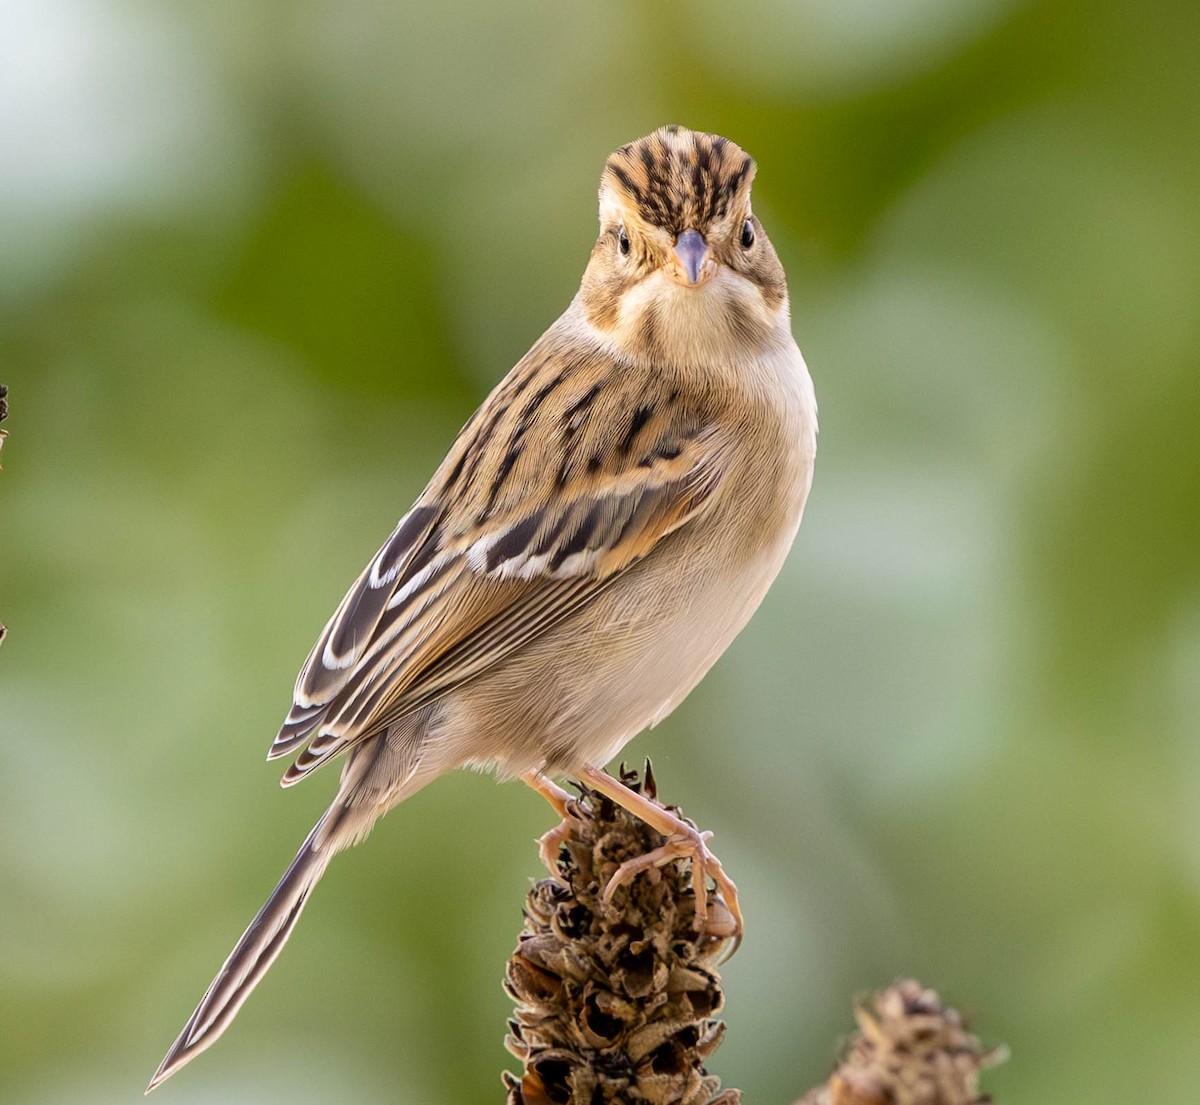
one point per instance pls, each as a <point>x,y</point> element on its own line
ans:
<point>257,948</point>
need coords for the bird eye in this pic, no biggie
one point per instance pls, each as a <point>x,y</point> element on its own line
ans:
<point>747,235</point>
<point>623,241</point>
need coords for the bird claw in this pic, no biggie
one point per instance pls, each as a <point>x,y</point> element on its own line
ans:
<point>691,844</point>
<point>550,842</point>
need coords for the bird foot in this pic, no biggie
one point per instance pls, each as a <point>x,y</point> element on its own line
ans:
<point>684,841</point>
<point>689,843</point>
<point>550,842</point>
<point>565,806</point>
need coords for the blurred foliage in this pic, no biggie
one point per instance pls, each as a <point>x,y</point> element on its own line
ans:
<point>260,262</point>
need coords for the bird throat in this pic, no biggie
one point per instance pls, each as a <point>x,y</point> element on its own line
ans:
<point>711,324</point>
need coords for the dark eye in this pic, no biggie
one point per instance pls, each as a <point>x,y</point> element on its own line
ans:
<point>747,235</point>
<point>623,241</point>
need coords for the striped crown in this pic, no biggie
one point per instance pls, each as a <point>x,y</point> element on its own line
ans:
<point>678,179</point>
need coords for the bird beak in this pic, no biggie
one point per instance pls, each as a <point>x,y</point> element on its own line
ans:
<point>691,251</point>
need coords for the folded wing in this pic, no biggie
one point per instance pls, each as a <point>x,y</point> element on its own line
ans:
<point>462,583</point>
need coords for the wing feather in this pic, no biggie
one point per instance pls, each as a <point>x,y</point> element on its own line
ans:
<point>475,571</point>
<point>351,629</point>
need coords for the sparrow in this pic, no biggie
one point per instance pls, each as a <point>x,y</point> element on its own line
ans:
<point>601,529</point>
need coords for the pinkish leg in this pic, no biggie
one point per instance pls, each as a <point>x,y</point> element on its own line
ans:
<point>682,841</point>
<point>549,843</point>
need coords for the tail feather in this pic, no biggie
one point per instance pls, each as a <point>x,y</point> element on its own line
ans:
<point>254,952</point>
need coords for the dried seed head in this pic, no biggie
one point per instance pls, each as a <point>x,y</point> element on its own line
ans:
<point>909,1050</point>
<point>615,1001</point>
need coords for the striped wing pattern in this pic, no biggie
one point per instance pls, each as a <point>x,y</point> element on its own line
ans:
<point>441,602</point>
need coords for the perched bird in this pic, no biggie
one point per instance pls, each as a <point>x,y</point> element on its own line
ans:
<point>601,529</point>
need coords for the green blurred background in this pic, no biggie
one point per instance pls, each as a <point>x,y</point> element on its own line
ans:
<point>257,264</point>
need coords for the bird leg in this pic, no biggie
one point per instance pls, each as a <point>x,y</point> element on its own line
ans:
<point>683,840</point>
<point>564,805</point>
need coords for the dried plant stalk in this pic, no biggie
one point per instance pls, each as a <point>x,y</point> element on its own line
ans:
<point>909,1050</point>
<point>616,1002</point>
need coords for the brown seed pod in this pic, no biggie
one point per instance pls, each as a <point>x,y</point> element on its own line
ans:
<point>615,1001</point>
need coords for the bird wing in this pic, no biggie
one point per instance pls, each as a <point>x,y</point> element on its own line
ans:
<point>504,544</point>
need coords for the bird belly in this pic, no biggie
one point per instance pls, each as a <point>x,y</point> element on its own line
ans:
<point>576,695</point>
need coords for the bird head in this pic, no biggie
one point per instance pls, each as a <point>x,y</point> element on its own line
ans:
<point>680,253</point>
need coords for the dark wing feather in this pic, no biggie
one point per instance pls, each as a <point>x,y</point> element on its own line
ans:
<point>353,626</point>
<point>474,572</point>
